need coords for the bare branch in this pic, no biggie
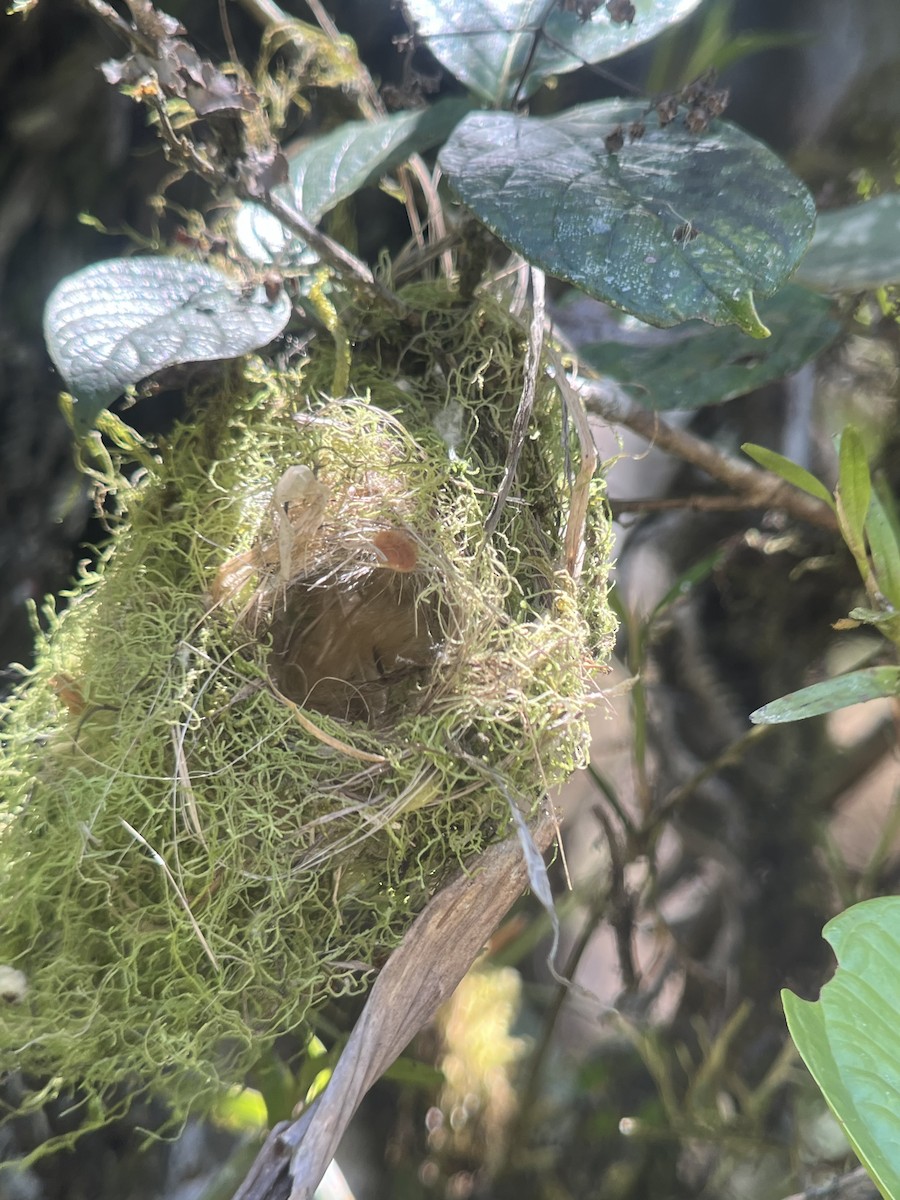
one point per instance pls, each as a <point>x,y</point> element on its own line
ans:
<point>759,489</point>
<point>724,502</point>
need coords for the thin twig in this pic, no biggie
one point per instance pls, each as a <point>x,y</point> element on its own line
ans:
<point>720,503</point>
<point>526,401</point>
<point>265,12</point>
<point>620,909</point>
<point>226,33</point>
<point>574,543</point>
<point>109,15</point>
<point>761,489</point>
<point>331,252</point>
<point>855,1185</point>
<point>731,756</point>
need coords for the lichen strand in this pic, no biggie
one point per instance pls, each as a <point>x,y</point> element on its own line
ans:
<point>193,863</point>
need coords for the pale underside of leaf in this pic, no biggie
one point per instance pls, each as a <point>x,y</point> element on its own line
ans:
<point>505,49</point>
<point>118,322</point>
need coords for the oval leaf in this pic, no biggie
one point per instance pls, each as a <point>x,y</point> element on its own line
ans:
<point>116,322</point>
<point>709,366</point>
<point>332,168</point>
<point>504,49</point>
<point>848,1037</point>
<point>856,248</point>
<point>872,683</point>
<point>672,227</point>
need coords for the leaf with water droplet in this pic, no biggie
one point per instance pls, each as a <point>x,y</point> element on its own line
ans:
<point>672,226</point>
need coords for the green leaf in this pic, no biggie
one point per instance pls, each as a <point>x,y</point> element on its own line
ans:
<point>708,366</point>
<point>331,168</point>
<point>505,49</point>
<point>848,1037</point>
<point>790,471</point>
<point>871,683</point>
<point>242,1109</point>
<point>854,490</point>
<point>882,535</point>
<point>743,45</point>
<point>886,622</point>
<point>412,1072</point>
<point>685,584</point>
<point>117,322</point>
<point>855,249</point>
<point>672,227</point>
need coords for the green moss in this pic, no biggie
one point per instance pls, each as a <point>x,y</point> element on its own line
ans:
<point>193,865</point>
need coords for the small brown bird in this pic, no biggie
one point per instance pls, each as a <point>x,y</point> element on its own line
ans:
<point>356,650</point>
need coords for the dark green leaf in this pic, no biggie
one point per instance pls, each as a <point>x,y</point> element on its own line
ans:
<point>117,322</point>
<point>672,227</point>
<point>854,490</point>
<point>709,366</point>
<point>790,471</point>
<point>855,249</point>
<point>848,1037</point>
<point>331,168</point>
<point>502,49</point>
<point>872,683</point>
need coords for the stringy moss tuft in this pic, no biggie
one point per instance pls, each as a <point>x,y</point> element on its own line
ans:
<point>202,842</point>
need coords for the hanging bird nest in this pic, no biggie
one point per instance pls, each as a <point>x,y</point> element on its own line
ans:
<point>272,720</point>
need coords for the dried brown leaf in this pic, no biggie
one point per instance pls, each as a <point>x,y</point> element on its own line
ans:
<point>420,975</point>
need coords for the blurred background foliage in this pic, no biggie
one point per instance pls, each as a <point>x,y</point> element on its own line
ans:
<point>702,859</point>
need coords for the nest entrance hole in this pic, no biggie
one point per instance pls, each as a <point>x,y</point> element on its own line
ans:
<point>359,650</point>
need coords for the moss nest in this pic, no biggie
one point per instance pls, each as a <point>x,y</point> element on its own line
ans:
<point>273,718</point>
